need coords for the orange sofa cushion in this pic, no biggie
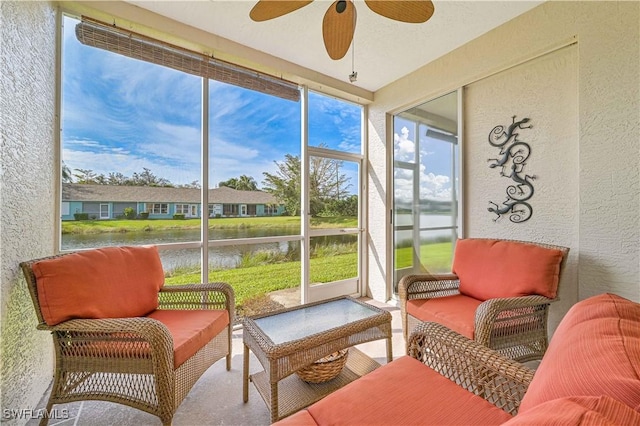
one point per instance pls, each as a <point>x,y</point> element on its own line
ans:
<point>457,312</point>
<point>578,411</point>
<point>301,418</point>
<point>595,351</point>
<point>490,269</point>
<point>111,282</point>
<point>191,330</point>
<point>404,392</point>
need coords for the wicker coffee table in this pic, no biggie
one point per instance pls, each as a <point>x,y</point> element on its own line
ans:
<point>290,339</point>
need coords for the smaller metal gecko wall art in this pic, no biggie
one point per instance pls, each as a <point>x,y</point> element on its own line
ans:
<point>512,160</point>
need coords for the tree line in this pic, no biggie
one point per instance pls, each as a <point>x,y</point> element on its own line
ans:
<point>144,178</point>
<point>328,186</point>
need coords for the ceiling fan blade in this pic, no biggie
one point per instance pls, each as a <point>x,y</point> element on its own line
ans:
<point>269,9</point>
<point>411,11</point>
<point>338,26</point>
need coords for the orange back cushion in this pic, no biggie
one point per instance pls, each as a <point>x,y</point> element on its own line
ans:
<point>578,411</point>
<point>595,351</point>
<point>491,269</point>
<point>112,282</point>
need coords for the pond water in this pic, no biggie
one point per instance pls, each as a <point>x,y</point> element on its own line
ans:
<point>226,257</point>
<point>426,221</point>
<point>229,256</point>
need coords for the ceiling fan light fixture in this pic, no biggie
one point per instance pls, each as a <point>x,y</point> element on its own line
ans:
<point>339,23</point>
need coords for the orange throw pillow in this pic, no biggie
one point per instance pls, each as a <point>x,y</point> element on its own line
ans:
<point>595,351</point>
<point>111,282</point>
<point>490,269</point>
<point>578,411</point>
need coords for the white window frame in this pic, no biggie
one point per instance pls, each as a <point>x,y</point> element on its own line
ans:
<point>158,208</point>
<point>215,208</point>
<point>182,209</point>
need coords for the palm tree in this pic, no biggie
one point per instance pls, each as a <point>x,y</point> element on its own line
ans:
<point>242,183</point>
<point>246,183</point>
<point>67,177</point>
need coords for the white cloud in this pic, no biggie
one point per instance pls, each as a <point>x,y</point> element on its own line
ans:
<point>432,186</point>
<point>404,148</point>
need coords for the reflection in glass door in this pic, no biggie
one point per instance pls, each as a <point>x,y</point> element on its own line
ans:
<point>426,181</point>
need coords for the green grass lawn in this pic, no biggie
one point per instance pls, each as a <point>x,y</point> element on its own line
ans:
<point>254,281</point>
<point>150,225</point>
<point>437,257</point>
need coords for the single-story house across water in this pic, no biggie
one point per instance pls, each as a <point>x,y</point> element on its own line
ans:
<point>110,201</point>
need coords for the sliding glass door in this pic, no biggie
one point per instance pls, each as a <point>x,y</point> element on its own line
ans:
<point>426,187</point>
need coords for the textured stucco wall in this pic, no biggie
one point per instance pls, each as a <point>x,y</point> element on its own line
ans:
<point>545,91</point>
<point>27,103</point>
<point>604,236</point>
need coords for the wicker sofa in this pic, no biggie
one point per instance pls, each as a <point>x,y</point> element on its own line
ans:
<point>590,375</point>
<point>120,335</point>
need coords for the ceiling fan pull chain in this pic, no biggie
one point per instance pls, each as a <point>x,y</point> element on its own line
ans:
<point>354,75</point>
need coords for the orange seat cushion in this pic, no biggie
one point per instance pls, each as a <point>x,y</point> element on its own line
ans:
<point>111,282</point>
<point>595,351</point>
<point>490,269</point>
<point>457,312</point>
<point>191,330</point>
<point>578,411</point>
<point>405,392</point>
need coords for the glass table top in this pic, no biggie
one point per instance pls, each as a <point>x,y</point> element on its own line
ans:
<point>309,320</point>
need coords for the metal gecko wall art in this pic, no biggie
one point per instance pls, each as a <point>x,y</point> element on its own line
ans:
<point>512,160</point>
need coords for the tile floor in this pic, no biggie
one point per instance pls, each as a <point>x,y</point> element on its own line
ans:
<point>216,399</point>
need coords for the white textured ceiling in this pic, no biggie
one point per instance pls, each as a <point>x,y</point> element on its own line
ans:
<point>385,50</point>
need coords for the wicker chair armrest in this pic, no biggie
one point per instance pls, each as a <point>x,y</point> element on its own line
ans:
<point>425,286</point>
<point>109,334</point>
<point>492,312</point>
<point>508,303</point>
<point>478,369</point>
<point>490,309</point>
<point>215,295</point>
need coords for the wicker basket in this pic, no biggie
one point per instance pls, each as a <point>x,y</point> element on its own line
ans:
<point>325,368</point>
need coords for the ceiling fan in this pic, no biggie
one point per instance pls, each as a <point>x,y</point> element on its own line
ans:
<point>339,21</point>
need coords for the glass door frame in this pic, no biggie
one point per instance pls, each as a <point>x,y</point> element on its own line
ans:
<point>351,286</point>
<point>414,167</point>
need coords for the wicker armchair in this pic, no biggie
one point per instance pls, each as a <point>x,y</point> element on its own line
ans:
<point>132,360</point>
<point>515,326</point>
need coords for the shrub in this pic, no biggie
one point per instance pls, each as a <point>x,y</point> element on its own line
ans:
<point>178,216</point>
<point>129,213</point>
<point>81,216</point>
<point>144,215</point>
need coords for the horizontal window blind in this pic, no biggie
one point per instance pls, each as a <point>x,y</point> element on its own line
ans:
<point>107,37</point>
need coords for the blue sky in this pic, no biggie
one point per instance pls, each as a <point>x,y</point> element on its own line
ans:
<point>435,163</point>
<point>123,115</point>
